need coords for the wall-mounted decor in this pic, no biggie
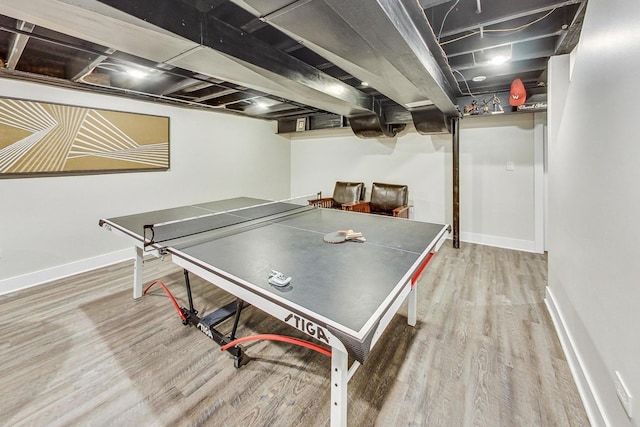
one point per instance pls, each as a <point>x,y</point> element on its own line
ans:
<point>39,139</point>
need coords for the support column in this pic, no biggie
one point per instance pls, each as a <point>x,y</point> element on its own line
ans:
<point>455,149</point>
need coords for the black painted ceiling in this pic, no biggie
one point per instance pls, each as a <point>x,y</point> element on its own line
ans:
<point>378,64</point>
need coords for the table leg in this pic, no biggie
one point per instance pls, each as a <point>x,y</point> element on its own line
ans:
<point>137,272</point>
<point>339,380</point>
<point>412,306</point>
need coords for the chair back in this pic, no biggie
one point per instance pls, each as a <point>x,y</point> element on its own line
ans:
<point>348,192</point>
<point>386,197</point>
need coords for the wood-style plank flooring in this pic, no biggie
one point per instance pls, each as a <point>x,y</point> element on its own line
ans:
<point>81,352</point>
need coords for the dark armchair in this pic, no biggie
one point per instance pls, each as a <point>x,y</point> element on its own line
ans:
<point>386,199</point>
<point>343,193</point>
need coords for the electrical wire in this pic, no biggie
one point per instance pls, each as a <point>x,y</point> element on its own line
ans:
<point>445,18</point>
<point>523,26</point>
<point>465,82</point>
<point>498,30</point>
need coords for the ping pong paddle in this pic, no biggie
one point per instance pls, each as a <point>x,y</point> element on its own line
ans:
<point>342,236</point>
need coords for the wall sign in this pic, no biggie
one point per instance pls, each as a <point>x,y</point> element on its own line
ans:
<point>41,139</point>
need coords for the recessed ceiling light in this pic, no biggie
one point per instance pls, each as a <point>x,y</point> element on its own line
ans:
<point>479,78</point>
<point>365,84</point>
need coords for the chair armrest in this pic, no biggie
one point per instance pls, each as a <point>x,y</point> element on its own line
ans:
<point>401,212</point>
<point>363,207</point>
<point>326,202</point>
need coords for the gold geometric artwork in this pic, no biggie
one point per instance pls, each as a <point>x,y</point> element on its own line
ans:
<point>39,139</point>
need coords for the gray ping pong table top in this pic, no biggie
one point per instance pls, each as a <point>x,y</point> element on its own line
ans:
<point>345,282</point>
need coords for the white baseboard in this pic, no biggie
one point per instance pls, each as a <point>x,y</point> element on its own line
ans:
<point>28,280</point>
<point>589,400</point>
<point>500,242</point>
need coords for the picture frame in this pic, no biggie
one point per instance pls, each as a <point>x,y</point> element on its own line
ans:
<point>46,139</point>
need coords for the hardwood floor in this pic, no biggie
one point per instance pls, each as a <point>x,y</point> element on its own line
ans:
<point>81,351</point>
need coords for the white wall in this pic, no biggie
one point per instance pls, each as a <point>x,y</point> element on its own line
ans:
<point>594,158</point>
<point>49,226</point>
<point>317,162</point>
<point>496,205</point>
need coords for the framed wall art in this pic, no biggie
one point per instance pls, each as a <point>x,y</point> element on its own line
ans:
<point>40,139</point>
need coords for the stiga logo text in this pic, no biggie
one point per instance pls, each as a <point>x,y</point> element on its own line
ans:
<point>205,330</point>
<point>307,327</point>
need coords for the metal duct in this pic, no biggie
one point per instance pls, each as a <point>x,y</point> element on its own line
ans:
<point>387,43</point>
<point>429,120</point>
<point>373,126</point>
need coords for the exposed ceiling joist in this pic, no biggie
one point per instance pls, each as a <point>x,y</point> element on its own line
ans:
<point>464,17</point>
<point>533,49</point>
<point>476,44</point>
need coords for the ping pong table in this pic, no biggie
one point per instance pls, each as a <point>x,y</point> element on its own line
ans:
<point>341,295</point>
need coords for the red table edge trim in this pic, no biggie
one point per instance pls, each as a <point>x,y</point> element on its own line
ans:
<point>420,269</point>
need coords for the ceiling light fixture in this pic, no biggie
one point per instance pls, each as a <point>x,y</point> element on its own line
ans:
<point>479,78</point>
<point>498,55</point>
